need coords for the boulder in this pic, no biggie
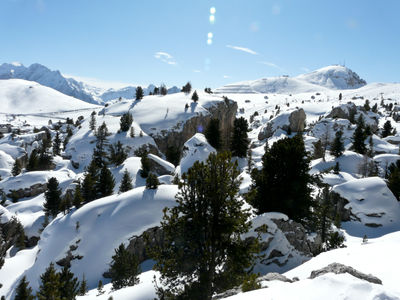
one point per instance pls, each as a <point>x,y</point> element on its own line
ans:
<point>337,268</point>
<point>297,120</point>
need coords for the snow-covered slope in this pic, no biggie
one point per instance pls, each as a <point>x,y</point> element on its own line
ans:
<point>331,77</point>
<point>26,97</point>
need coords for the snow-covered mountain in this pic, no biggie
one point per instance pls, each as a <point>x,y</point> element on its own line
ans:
<point>327,78</point>
<point>70,86</point>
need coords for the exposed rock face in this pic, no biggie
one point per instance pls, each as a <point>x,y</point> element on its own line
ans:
<point>31,191</point>
<point>274,276</point>
<point>152,237</point>
<point>158,168</point>
<point>297,120</point>
<point>224,111</point>
<point>337,268</point>
<point>342,112</point>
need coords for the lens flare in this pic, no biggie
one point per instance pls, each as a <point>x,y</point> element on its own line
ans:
<point>212,10</point>
<point>212,19</point>
<point>209,41</point>
<point>210,35</point>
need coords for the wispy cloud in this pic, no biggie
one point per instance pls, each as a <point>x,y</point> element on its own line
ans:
<point>196,71</point>
<point>243,49</point>
<point>165,57</point>
<point>276,9</point>
<point>305,69</point>
<point>226,76</point>
<point>271,64</point>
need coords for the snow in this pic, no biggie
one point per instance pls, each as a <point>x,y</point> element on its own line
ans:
<point>371,202</point>
<point>103,225</point>
<point>17,95</point>
<point>195,149</point>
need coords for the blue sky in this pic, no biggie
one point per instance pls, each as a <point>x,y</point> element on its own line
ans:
<point>149,41</point>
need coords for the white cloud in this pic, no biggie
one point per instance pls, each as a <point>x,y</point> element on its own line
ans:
<point>271,64</point>
<point>226,76</point>
<point>196,71</point>
<point>243,49</point>
<point>305,69</point>
<point>165,57</point>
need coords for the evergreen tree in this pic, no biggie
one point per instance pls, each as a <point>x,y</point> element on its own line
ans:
<point>203,252</point>
<point>156,91</point>
<point>117,154</point>
<point>132,132</point>
<point>387,129</point>
<point>126,182</point>
<point>20,243</point>
<point>125,121</point>
<point>52,198</point>
<point>16,169</point>
<point>69,131</point>
<point>69,284</point>
<point>124,268</point>
<point>213,134</point>
<point>336,169</point>
<point>106,183</point>
<point>33,162</point>
<point>100,290</point>
<point>359,137</point>
<point>144,172</point>
<point>66,203</point>
<point>23,291</point>
<point>375,108</point>
<point>83,288</point>
<point>152,181</point>
<point>139,93</point>
<point>282,184</point>
<point>240,141</point>
<point>318,150</point>
<point>337,147</point>
<point>195,97</point>
<point>57,144</point>
<point>49,288</point>
<point>92,122</point>
<point>367,107</point>
<point>393,181</point>
<point>187,88</point>
<point>163,90</point>
<point>173,155</point>
<point>99,152</point>
<point>88,188</point>
<point>78,199</point>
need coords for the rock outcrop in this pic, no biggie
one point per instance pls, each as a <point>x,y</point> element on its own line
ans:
<point>31,191</point>
<point>224,111</point>
<point>337,268</point>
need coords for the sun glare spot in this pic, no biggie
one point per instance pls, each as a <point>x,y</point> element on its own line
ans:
<point>209,41</point>
<point>212,10</point>
<point>210,35</point>
<point>212,19</point>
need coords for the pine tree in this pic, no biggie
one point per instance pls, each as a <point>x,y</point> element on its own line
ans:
<point>203,252</point>
<point>282,185</point>
<point>152,181</point>
<point>20,243</point>
<point>49,288</point>
<point>213,134</point>
<point>106,183</point>
<point>126,182</point>
<point>124,268</point>
<point>33,162</point>
<point>117,154</point>
<point>78,199</point>
<point>144,171</point>
<point>57,144</point>
<point>125,121</point>
<point>173,155</point>
<point>23,291</point>
<point>139,93</point>
<point>393,181</point>
<point>88,188</point>
<point>100,290</point>
<point>69,284</point>
<point>359,137</point>
<point>240,141</point>
<point>99,152</point>
<point>163,90</point>
<point>132,132</point>
<point>52,198</point>
<point>92,122</point>
<point>337,146</point>
<point>16,169</point>
<point>187,88</point>
<point>195,97</point>
<point>387,129</point>
<point>336,169</point>
<point>66,203</point>
<point>83,288</point>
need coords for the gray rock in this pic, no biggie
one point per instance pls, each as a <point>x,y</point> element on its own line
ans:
<point>297,120</point>
<point>31,191</point>
<point>274,276</point>
<point>337,268</point>
<point>157,168</point>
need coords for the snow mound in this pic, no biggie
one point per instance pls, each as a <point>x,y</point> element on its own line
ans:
<point>334,77</point>
<point>376,209</point>
<point>97,228</point>
<point>195,149</point>
<point>27,97</point>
